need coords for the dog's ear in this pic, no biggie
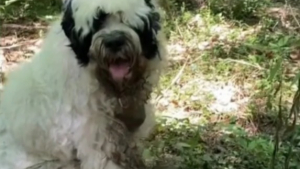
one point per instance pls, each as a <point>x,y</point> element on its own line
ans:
<point>99,19</point>
<point>148,33</point>
<point>79,44</point>
<point>153,17</point>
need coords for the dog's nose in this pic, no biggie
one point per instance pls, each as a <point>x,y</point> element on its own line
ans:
<point>115,40</point>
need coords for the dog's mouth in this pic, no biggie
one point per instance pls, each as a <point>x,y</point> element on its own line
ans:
<point>120,69</point>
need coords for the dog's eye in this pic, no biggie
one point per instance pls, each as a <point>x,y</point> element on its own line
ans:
<point>120,16</point>
<point>99,19</point>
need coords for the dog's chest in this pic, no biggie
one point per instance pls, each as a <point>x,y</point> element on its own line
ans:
<point>90,131</point>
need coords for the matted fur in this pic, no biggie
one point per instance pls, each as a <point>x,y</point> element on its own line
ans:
<point>53,111</point>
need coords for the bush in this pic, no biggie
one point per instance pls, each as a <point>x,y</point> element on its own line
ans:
<point>11,10</point>
<point>237,9</point>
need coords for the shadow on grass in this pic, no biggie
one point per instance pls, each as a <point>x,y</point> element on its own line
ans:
<point>214,146</point>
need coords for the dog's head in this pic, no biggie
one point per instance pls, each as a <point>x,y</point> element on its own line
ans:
<point>118,37</point>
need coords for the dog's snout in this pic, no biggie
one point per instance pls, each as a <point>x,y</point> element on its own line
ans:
<point>114,40</point>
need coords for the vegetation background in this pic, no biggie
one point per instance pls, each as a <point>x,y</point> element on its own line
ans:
<point>229,99</point>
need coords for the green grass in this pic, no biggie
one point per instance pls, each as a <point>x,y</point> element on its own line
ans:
<point>215,146</point>
<point>225,100</point>
<point>214,49</point>
<point>27,11</point>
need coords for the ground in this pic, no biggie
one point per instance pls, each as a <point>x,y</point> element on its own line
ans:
<point>229,96</point>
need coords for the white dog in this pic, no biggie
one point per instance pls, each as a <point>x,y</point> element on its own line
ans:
<point>66,108</point>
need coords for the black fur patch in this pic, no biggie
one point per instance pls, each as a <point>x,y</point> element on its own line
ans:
<point>99,20</point>
<point>148,3</point>
<point>147,35</point>
<point>80,46</point>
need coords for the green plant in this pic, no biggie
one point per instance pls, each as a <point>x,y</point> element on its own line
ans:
<point>237,9</point>
<point>12,10</point>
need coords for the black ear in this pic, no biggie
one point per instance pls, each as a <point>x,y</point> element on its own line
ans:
<point>80,46</point>
<point>153,17</point>
<point>148,33</point>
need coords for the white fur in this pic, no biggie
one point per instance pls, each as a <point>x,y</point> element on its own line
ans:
<point>51,105</point>
<point>130,10</point>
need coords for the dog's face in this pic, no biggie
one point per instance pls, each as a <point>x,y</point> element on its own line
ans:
<point>118,37</point>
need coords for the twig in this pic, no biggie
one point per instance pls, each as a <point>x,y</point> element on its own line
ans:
<point>292,13</point>
<point>19,45</point>
<point>11,47</point>
<point>2,60</point>
<point>175,79</point>
<point>244,63</point>
<point>191,82</point>
<point>23,27</point>
<point>290,130</point>
<point>7,3</point>
<point>278,126</point>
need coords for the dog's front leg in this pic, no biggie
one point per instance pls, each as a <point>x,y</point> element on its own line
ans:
<point>108,145</point>
<point>98,160</point>
<point>94,144</point>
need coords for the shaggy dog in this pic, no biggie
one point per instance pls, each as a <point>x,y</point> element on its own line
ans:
<point>82,102</point>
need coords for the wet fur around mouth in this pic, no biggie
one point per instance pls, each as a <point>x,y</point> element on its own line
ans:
<point>131,95</point>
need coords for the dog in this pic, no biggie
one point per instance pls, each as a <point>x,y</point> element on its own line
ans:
<point>82,102</point>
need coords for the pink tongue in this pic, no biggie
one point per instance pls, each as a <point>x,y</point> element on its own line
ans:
<point>119,71</point>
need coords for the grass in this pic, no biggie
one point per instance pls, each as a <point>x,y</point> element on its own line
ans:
<point>226,97</point>
<point>26,11</point>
